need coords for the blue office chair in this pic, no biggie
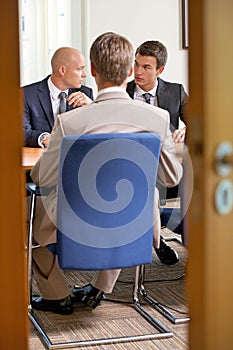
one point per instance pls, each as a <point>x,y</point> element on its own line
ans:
<point>105,211</point>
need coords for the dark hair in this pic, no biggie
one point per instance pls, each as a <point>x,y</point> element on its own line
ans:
<point>155,49</point>
<point>112,56</point>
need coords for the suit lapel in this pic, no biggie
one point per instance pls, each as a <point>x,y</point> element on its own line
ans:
<point>130,88</point>
<point>162,94</point>
<point>44,99</point>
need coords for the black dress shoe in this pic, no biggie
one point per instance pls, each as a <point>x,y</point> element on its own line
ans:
<point>88,294</point>
<point>62,306</point>
<point>166,254</point>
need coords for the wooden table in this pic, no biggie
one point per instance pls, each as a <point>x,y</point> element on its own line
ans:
<point>30,156</point>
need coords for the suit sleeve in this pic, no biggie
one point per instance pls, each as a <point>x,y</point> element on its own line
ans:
<point>183,102</point>
<point>170,170</point>
<point>30,136</point>
<point>37,118</point>
<point>45,171</point>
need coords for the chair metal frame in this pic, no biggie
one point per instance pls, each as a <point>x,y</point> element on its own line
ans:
<point>161,330</point>
<point>156,305</point>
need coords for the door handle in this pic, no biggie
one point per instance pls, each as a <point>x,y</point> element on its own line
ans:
<point>228,159</point>
<point>224,158</point>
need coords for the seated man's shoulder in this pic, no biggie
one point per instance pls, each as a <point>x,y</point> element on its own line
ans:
<point>35,85</point>
<point>169,84</point>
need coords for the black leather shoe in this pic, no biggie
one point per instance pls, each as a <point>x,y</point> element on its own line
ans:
<point>166,254</point>
<point>88,294</point>
<point>62,306</point>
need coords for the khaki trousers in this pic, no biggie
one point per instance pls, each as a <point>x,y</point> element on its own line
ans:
<point>48,274</point>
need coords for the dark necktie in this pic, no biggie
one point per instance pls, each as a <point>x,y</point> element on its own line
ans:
<point>62,107</point>
<point>147,96</point>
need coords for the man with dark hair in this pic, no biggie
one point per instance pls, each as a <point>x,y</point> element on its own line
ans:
<point>111,58</point>
<point>150,61</point>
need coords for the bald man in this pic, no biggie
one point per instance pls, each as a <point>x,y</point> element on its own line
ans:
<point>42,101</point>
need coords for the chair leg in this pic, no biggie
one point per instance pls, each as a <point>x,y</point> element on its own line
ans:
<point>157,306</point>
<point>102,341</point>
<point>164,332</point>
<point>29,246</point>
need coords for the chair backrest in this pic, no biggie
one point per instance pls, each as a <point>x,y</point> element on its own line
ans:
<point>106,200</point>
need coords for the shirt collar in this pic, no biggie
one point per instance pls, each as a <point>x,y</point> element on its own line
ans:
<point>111,89</point>
<point>140,92</point>
<point>54,91</point>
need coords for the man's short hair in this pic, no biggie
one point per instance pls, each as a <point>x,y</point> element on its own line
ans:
<point>112,56</point>
<point>155,49</point>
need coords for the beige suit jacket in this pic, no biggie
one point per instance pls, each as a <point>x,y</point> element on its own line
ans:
<point>110,112</point>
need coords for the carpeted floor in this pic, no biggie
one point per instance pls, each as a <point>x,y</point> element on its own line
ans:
<point>166,284</point>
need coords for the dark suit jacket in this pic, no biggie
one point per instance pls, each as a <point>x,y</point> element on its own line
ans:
<point>170,96</point>
<point>38,112</point>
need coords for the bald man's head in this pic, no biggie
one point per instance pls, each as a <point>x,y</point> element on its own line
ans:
<point>68,68</point>
<point>64,56</point>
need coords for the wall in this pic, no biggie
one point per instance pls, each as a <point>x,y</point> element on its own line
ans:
<point>83,20</point>
<point>140,21</point>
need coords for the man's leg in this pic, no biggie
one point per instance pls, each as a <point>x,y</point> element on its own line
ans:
<point>55,294</point>
<point>106,280</point>
<point>165,253</point>
<point>48,274</point>
<point>93,293</point>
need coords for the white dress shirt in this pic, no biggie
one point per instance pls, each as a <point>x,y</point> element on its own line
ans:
<point>138,94</point>
<point>55,101</point>
<point>54,93</point>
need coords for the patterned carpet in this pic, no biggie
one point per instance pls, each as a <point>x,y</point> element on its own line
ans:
<point>116,317</point>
